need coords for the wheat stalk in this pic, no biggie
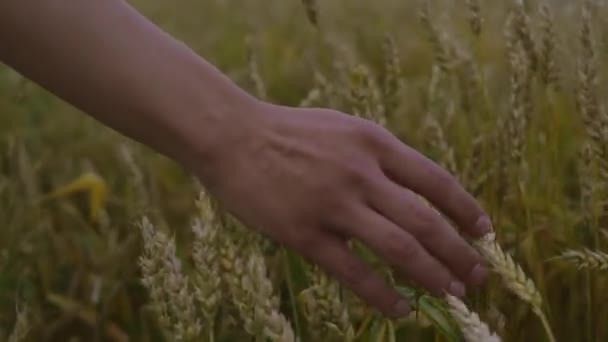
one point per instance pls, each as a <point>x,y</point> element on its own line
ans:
<point>322,92</point>
<point>470,85</point>
<point>436,98</point>
<point>392,75</point>
<point>254,70</point>
<point>473,176</point>
<point>586,258</point>
<point>206,257</point>
<point>473,329</point>
<point>549,70</point>
<point>513,276</point>
<point>589,106</point>
<point>168,287</point>
<point>519,115</point>
<point>442,52</point>
<point>22,325</point>
<point>365,95</point>
<point>523,32</point>
<point>474,16</point>
<point>327,315</point>
<point>251,290</point>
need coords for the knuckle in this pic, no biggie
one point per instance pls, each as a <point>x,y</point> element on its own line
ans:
<point>445,182</point>
<point>305,239</point>
<point>369,132</point>
<point>358,177</point>
<point>399,248</point>
<point>471,259</point>
<point>358,174</point>
<point>355,275</point>
<point>341,213</point>
<point>424,223</point>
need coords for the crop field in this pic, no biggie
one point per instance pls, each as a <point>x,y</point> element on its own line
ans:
<point>102,239</point>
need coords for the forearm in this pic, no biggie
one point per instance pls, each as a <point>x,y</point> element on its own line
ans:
<point>109,61</point>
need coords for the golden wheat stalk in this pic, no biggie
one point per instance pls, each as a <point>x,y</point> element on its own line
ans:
<point>326,313</point>
<point>589,105</point>
<point>513,277</point>
<point>442,52</point>
<point>549,69</point>
<point>474,16</point>
<point>254,70</point>
<point>586,258</point>
<point>523,32</point>
<point>205,254</point>
<point>472,327</point>
<point>439,141</point>
<point>473,96</point>
<point>437,94</point>
<point>365,95</point>
<point>169,289</point>
<point>22,325</point>
<point>393,82</point>
<point>246,276</point>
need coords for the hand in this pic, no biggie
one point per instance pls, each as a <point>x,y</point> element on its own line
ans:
<point>314,178</point>
<point>308,178</point>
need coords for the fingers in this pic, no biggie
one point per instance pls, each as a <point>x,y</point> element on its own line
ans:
<point>332,254</point>
<point>403,252</point>
<point>436,235</point>
<point>414,171</point>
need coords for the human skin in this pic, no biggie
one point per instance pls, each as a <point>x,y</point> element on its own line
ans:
<point>309,178</point>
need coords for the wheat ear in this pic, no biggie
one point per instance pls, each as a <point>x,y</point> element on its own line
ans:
<point>473,329</point>
<point>513,276</point>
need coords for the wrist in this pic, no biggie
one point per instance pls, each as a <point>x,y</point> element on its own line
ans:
<point>210,115</point>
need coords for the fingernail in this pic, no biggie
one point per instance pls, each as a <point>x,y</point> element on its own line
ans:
<point>483,226</point>
<point>457,289</point>
<point>478,274</point>
<point>402,308</point>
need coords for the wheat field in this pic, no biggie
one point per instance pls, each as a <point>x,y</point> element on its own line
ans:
<point>103,239</point>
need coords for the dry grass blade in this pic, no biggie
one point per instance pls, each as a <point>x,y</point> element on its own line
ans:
<point>516,113</point>
<point>589,105</point>
<point>519,115</point>
<point>322,92</point>
<point>365,96</point>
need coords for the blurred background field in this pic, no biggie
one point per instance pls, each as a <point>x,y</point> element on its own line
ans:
<point>513,107</point>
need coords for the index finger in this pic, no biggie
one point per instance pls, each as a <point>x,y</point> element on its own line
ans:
<point>418,173</point>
